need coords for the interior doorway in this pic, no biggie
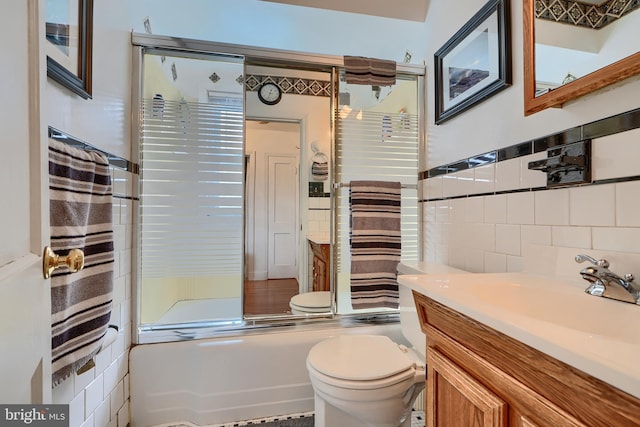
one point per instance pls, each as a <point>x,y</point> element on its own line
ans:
<point>272,221</point>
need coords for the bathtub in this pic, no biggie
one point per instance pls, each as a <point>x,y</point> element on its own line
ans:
<point>234,378</point>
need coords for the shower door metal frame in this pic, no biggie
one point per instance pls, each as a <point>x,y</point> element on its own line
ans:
<point>263,57</point>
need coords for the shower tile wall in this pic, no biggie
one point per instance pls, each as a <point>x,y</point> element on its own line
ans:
<point>100,396</point>
<point>483,219</point>
<point>319,216</point>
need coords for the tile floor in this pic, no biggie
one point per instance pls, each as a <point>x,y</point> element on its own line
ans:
<point>417,420</point>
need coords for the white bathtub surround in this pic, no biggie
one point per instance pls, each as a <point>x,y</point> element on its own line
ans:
<point>225,379</point>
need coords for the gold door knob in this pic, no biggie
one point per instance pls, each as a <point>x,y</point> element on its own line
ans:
<point>74,261</point>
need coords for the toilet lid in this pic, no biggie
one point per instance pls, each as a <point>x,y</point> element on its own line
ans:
<point>312,301</point>
<point>359,357</point>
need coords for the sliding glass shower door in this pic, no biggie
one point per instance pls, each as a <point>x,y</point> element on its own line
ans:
<point>377,138</point>
<point>191,189</point>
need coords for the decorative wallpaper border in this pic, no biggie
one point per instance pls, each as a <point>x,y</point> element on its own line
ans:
<point>582,14</point>
<point>293,85</point>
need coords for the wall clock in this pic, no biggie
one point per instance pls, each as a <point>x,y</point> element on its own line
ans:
<point>269,93</point>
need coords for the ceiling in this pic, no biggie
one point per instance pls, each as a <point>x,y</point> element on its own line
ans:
<point>410,10</point>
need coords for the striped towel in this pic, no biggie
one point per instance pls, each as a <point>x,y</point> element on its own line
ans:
<point>369,71</point>
<point>80,217</point>
<point>375,243</point>
<point>320,170</point>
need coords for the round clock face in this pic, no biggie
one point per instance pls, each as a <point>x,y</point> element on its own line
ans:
<point>269,93</point>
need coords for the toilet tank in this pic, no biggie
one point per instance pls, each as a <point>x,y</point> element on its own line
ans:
<point>409,322</point>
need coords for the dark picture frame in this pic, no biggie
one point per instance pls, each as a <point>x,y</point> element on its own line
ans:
<point>475,63</point>
<point>70,46</point>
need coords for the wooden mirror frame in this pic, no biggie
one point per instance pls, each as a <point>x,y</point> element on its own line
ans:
<point>610,74</point>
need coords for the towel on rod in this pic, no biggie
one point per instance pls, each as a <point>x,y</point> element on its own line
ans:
<point>80,217</point>
<point>319,167</point>
<point>375,243</point>
<point>369,71</point>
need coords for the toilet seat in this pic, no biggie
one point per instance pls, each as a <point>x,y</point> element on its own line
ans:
<point>364,380</point>
<point>311,302</point>
<point>362,362</point>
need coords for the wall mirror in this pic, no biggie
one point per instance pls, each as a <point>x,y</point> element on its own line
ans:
<point>573,48</point>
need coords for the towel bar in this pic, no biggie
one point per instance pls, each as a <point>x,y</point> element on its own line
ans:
<point>109,338</point>
<point>337,185</point>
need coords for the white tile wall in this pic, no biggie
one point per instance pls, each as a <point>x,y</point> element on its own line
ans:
<point>319,216</point>
<point>592,205</point>
<point>100,396</point>
<point>552,207</point>
<point>474,209</point>
<point>495,263</point>
<point>520,208</point>
<point>508,175</point>
<point>628,204</point>
<point>432,189</point>
<point>485,179</point>
<point>576,237</point>
<point>606,155</point>
<point>508,240</point>
<point>495,209</point>
<point>532,178</point>
<point>489,233</point>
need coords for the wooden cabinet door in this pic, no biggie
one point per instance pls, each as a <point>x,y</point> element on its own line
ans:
<point>455,399</point>
<point>320,278</point>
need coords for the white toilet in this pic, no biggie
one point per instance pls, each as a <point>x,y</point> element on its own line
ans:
<point>311,302</point>
<point>369,380</point>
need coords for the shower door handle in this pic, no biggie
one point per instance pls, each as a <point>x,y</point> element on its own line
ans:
<point>51,261</point>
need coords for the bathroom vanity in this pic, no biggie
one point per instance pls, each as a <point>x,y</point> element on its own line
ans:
<point>500,354</point>
<point>321,256</point>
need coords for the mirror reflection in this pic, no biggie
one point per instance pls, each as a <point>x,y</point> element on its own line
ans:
<point>573,39</point>
<point>238,194</point>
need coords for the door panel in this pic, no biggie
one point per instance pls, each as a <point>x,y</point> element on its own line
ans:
<point>25,358</point>
<point>283,216</point>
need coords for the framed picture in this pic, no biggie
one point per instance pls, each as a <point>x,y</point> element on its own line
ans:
<point>475,63</point>
<point>69,34</point>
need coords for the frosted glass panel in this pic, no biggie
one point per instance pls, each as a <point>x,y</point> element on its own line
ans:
<point>191,194</point>
<point>377,139</point>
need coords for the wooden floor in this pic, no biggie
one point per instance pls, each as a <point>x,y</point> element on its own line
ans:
<point>268,296</point>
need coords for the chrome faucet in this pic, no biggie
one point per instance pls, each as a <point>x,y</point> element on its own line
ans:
<point>606,283</point>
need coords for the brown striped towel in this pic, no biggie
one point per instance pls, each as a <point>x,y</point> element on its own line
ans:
<point>375,243</point>
<point>80,217</point>
<point>369,71</point>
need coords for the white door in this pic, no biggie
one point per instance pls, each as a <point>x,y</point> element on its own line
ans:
<point>25,302</point>
<point>282,237</point>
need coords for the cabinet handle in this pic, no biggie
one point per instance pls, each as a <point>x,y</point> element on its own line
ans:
<point>74,261</point>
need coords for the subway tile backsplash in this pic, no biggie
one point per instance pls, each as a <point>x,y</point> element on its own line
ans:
<point>483,218</point>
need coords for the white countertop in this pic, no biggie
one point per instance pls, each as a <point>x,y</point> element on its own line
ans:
<point>319,238</point>
<point>423,267</point>
<point>597,335</point>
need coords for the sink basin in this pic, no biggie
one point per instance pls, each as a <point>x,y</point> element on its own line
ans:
<point>563,306</point>
<point>596,335</point>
